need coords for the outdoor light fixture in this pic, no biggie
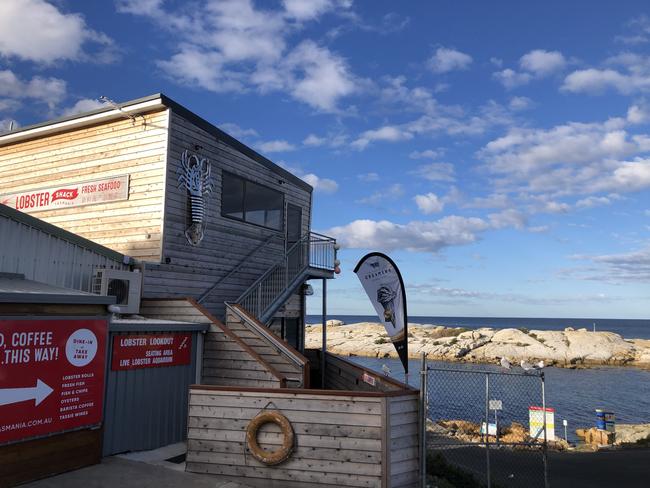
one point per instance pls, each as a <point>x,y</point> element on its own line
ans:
<point>308,290</point>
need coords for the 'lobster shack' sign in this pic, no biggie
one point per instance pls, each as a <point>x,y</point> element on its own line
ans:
<point>71,195</point>
<point>194,174</point>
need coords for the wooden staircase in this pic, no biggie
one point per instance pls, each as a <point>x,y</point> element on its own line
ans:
<point>290,363</point>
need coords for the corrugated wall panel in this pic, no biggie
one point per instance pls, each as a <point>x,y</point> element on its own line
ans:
<point>146,408</point>
<point>44,257</point>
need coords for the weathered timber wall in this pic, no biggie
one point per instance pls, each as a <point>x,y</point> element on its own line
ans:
<point>188,270</point>
<point>293,366</point>
<point>341,374</point>
<point>132,227</point>
<point>340,439</point>
<point>403,435</point>
<point>228,359</point>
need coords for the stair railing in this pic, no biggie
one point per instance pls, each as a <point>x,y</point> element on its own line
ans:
<point>238,266</point>
<point>268,287</point>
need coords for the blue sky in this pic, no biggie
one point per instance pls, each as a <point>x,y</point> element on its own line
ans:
<point>498,151</point>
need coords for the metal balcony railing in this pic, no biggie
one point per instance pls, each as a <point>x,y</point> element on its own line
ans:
<point>312,250</point>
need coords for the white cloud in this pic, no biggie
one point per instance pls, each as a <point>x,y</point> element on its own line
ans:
<point>307,9</point>
<point>417,236</point>
<point>318,77</point>
<point>572,158</point>
<point>599,80</point>
<point>508,218</point>
<point>314,141</point>
<point>234,46</point>
<point>50,91</point>
<point>520,103</point>
<point>594,201</point>
<point>275,146</point>
<point>628,267</point>
<point>446,59</point>
<point>429,203</point>
<point>541,62</point>
<point>322,185</point>
<point>495,200</point>
<point>537,63</point>
<point>368,177</point>
<point>386,133</point>
<point>35,30</point>
<point>435,172</point>
<point>512,79</point>
<point>426,154</point>
<point>236,131</point>
<point>380,197</point>
<point>83,105</point>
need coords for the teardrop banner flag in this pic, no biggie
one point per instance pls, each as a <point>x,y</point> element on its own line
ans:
<point>384,286</point>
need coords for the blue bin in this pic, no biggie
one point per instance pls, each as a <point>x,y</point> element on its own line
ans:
<point>605,420</point>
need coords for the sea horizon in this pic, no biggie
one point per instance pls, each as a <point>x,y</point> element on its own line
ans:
<point>628,328</point>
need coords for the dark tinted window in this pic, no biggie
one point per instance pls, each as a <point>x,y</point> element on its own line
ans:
<point>232,197</point>
<point>248,201</point>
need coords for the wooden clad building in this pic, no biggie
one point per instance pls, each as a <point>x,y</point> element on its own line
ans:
<point>205,215</point>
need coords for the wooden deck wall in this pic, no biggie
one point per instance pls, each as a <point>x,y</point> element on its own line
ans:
<point>339,437</point>
<point>189,271</point>
<point>227,359</point>
<point>342,374</point>
<point>132,227</point>
<point>404,442</point>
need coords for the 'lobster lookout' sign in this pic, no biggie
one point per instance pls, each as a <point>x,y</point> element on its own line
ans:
<point>70,195</point>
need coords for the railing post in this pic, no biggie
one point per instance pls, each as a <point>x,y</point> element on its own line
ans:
<point>487,429</point>
<point>423,420</point>
<point>324,346</point>
<point>545,447</point>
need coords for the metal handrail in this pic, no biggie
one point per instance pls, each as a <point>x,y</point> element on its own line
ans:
<point>312,250</point>
<point>237,267</point>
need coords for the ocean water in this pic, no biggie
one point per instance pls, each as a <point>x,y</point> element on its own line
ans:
<point>628,328</point>
<point>575,394</point>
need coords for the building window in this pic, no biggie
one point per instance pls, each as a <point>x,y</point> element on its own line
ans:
<point>244,200</point>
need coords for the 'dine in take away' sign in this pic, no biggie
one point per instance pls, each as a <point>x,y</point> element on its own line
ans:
<point>384,286</point>
<point>51,376</point>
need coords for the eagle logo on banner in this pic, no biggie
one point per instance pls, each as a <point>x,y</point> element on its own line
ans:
<point>384,286</point>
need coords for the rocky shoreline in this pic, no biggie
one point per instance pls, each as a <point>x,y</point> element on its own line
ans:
<point>567,348</point>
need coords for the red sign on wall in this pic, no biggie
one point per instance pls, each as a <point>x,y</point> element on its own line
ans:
<point>151,351</point>
<point>51,376</point>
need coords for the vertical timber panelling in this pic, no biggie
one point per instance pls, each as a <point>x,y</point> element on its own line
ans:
<point>403,440</point>
<point>123,147</point>
<point>188,270</point>
<point>338,438</point>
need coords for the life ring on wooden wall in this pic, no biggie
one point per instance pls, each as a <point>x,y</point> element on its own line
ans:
<point>281,454</point>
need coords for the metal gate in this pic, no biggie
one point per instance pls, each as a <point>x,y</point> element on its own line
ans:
<point>485,428</point>
<point>147,408</point>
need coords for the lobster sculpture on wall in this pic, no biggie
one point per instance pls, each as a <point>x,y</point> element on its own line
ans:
<point>195,176</point>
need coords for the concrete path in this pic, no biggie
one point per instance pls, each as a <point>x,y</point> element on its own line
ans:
<point>146,469</point>
<point>117,471</point>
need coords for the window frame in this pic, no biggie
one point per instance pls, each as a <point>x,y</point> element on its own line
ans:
<point>283,209</point>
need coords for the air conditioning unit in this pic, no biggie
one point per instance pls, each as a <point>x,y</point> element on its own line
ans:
<point>125,286</point>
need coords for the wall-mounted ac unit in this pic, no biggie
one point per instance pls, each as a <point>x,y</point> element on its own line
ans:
<point>125,286</point>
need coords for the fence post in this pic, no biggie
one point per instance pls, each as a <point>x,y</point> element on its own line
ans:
<point>423,420</point>
<point>545,447</point>
<point>487,429</point>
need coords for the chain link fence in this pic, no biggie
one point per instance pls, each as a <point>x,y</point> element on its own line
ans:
<point>485,428</point>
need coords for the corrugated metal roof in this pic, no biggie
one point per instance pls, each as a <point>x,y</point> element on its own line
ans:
<point>14,288</point>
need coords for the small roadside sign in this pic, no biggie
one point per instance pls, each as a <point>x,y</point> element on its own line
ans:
<point>496,405</point>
